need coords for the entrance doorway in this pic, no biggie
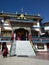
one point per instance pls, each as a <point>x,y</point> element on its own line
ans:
<point>48,46</point>
<point>21,34</point>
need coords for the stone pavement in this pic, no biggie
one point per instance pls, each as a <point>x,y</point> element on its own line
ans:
<point>22,61</point>
<point>44,56</point>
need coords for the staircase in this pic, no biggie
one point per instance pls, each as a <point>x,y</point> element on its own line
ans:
<point>22,48</point>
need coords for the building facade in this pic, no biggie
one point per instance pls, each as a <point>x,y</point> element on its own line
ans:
<point>22,27</point>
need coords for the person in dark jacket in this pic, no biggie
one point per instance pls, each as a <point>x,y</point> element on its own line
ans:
<point>5,51</point>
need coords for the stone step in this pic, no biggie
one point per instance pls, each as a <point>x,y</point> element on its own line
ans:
<point>22,48</point>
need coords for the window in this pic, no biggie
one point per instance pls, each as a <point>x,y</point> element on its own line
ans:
<point>40,46</point>
<point>34,19</point>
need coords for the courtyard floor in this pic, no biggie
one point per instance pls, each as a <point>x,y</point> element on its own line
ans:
<point>40,59</point>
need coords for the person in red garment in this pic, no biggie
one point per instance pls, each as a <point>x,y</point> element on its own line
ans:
<point>5,51</point>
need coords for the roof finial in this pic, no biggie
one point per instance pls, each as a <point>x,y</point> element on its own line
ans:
<point>2,11</point>
<point>38,14</point>
<point>16,12</point>
<point>22,10</point>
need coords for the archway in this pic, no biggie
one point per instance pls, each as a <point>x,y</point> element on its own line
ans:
<point>21,34</point>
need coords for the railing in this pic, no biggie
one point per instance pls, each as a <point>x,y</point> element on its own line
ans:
<point>40,39</point>
<point>5,39</point>
<point>34,39</point>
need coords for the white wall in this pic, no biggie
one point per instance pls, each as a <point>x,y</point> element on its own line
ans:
<point>37,27</point>
<point>46,28</point>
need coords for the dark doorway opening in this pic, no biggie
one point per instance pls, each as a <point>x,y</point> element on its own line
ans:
<point>3,44</point>
<point>21,34</point>
<point>47,45</point>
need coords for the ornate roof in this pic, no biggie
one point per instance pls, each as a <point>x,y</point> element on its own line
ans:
<point>9,15</point>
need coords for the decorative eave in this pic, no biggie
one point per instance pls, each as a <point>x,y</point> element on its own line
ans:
<point>34,17</point>
<point>6,30</point>
<point>20,23</point>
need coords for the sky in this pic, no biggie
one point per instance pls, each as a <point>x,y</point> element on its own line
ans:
<point>31,7</point>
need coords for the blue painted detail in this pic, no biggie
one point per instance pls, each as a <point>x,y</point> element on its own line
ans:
<point>35,39</point>
<point>40,39</point>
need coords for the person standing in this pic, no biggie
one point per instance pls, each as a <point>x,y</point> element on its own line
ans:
<point>5,51</point>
